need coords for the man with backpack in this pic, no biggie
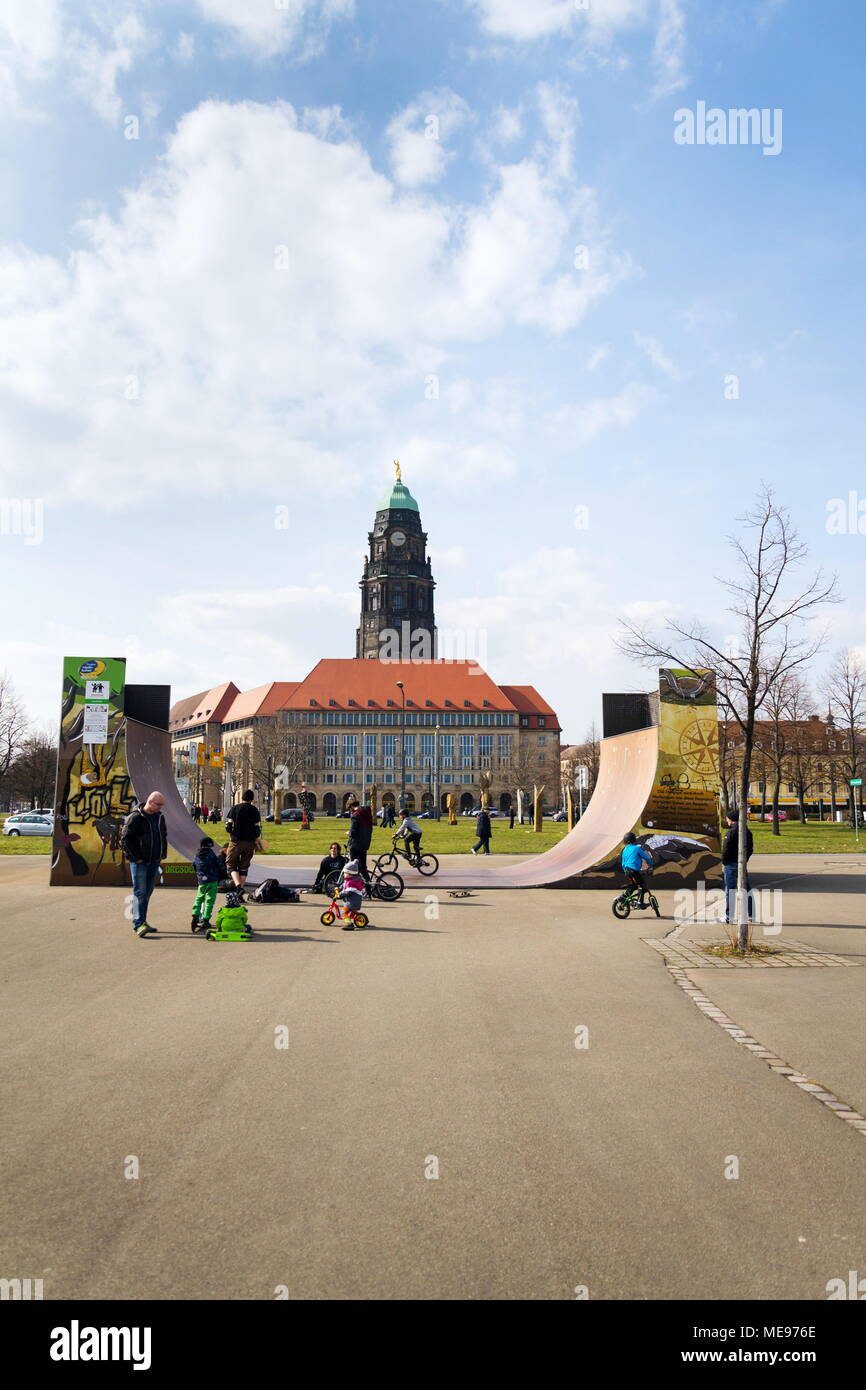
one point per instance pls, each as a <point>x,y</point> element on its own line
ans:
<point>244,824</point>
<point>144,842</point>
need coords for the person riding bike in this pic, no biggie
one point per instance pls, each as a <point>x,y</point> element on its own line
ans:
<point>634,856</point>
<point>411,832</point>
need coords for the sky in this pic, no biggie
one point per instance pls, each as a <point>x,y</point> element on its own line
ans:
<point>252,251</point>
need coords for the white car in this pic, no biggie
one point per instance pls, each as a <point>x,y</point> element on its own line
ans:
<point>29,823</point>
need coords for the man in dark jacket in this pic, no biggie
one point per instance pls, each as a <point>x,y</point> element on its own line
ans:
<point>484,830</point>
<point>144,843</point>
<point>360,835</point>
<point>244,824</point>
<point>730,853</point>
<point>334,860</point>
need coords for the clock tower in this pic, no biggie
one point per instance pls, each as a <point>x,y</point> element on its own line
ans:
<point>397,620</point>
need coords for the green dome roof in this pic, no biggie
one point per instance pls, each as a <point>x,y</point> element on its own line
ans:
<point>398,498</point>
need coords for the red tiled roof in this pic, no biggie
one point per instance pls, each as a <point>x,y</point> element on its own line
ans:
<point>262,700</point>
<point>463,683</point>
<point>207,707</point>
<point>527,700</point>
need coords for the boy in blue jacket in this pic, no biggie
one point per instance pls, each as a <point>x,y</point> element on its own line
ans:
<point>634,856</point>
<point>209,867</point>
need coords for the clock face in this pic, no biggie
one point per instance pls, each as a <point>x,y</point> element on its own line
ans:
<point>398,538</point>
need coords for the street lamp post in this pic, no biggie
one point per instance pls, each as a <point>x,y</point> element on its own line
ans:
<point>436,793</point>
<point>402,749</point>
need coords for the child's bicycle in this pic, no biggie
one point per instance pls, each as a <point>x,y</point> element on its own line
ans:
<point>426,864</point>
<point>339,912</point>
<point>629,901</point>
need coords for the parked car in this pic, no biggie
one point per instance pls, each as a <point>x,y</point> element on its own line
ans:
<point>295,813</point>
<point>559,815</point>
<point>29,823</point>
<point>783,815</point>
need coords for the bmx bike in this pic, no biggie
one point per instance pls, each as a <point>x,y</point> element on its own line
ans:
<point>388,887</point>
<point>426,864</point>
<point>629,901</point>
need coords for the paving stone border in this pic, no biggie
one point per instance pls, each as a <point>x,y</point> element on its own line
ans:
<point>786,954</point>
<point>680,958</point>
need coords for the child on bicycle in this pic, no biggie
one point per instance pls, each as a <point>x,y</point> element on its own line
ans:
<point>351,890</point>
<point>411,832</point>
<point>634,856</point>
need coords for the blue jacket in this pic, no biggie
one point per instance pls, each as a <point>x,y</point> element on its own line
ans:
<point>635,856</point>
<point>208,866</point>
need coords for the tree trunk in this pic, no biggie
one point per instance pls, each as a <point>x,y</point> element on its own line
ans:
<point>776,788</point>
<point>742,899</point>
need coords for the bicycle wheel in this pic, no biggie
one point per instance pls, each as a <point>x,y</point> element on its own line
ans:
<point>621,907</point>
<point>654,904</point>
<point>388,887</point>
<point>331,883</point>
<point>327,919</point>
<point>427,864</point>
<point>387,863</point>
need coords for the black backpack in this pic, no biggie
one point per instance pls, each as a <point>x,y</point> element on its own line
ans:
<point>273,892</point>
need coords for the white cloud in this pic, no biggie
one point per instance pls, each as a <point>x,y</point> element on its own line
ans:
<point>418,136</point>
<point>583,423</point>
<point>597,355</point>
<point>29,45</point>
<point>559,116</point>
<point>669,49</point>
<point>256,303</point>
<point>265,28</point>
<point>507,124</point>
<point>518,19</point>
<point>97,60</point>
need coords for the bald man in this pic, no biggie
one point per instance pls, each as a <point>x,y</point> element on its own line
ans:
<point>144,843</point>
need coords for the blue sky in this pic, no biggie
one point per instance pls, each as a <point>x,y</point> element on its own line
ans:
<point>245,308</point>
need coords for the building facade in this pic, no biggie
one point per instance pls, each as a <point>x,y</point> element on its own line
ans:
<point>350,729</point>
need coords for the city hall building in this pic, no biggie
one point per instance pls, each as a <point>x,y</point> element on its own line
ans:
<point>394,721</point>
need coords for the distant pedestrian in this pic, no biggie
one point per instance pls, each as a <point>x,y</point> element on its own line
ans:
<point>511,818</point>
<point>730,856</point>
<point>244,824</point>
<point>144,842</point>
<point>484,830</point>
<point>204,814</point>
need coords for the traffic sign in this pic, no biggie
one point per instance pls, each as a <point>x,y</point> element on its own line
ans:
<point>856,782</point>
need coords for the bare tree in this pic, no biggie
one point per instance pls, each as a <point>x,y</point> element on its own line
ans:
<point>33,772</point>
<point>13,729</point>
<point>801,760</point>
<point>773,613</point>
<point>281,746</point>
<point>845,688</point>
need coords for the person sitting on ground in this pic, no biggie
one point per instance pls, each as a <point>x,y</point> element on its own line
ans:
<point>411,832</point>
<point>233,916</point>
<point>634,856</point>
<point>210,869</point>
<point>351,890</point>
<point>334,859</point>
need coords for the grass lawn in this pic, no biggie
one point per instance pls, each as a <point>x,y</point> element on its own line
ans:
<point>442,838</point>
<point>814,837</point>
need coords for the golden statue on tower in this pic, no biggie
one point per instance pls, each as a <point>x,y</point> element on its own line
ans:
<point>397,467</point>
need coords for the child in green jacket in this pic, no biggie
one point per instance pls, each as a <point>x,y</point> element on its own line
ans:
<point>233,916</point>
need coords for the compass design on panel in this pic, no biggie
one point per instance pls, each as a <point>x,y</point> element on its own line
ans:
<point>699,746</point>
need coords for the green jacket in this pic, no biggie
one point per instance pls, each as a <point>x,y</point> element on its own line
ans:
<point>232,918</point>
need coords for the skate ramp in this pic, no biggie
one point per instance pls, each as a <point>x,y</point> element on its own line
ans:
<point>625,779</point>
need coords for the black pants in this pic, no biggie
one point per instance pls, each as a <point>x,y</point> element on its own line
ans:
<point>360,853</point>
<point>482,844</point>
<point>637,879</point>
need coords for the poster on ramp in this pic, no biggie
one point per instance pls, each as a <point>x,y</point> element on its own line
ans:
<point>679,826</point>
<point>93,792</point>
